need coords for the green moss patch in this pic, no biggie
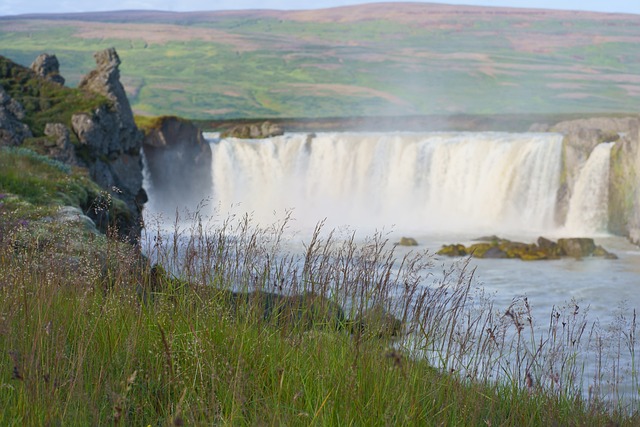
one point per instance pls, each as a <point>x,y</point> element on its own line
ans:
<point>44,101</point>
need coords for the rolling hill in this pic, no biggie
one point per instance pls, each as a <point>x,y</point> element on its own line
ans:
<point>380,59</point>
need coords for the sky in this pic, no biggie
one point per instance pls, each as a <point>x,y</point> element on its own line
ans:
<point>15,7</point>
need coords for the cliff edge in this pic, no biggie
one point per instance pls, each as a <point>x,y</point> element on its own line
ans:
<point>91,127</point>
<point>179,164</point>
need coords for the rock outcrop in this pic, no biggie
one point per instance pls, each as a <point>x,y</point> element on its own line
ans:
<point>12,130</point>
<point>48,67</point>
<point>624,186</point>
<point>543,249</point>
<point>112,143</point>
<point>58,144</point>
<point>254,131</point>
<point>407,241</point>
<point>179,162</point>
<point>581,137</point>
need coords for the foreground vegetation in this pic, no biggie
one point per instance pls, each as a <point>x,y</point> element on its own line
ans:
<point>81,347</point>
<point>94,339</point>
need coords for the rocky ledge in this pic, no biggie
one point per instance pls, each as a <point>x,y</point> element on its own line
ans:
<point>544,249</point>
<point>254,131</point>
<point>179,163</point>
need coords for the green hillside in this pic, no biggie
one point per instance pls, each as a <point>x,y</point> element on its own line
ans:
<point>371,60</point>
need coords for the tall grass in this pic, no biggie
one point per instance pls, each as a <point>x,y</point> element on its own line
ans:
<point>107,339</point>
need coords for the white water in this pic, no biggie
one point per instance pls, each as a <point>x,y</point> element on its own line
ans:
<point>481,182</point>
<point>588,209</point>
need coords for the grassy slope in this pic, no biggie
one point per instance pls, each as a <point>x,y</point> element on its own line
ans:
<point>320,64</point>
<point>81,347</point>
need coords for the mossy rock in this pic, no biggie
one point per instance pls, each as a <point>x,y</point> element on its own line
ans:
<point>577,247</point>
<point>479,250</point>
<point>494,252</point>
<point>454,250</point>
<point>545,249</point>
<point>534,256</point>
<point>407,241</point>
<point>599,251</point>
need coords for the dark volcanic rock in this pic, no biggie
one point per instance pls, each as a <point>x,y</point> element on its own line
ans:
<point>47,66</point>
<point>179,161</point>
<point>105,79</point>
<point>576,247</point>
<point>113,142</point>
<point>254,131</point>
<point>60,147</point>
<point>581,137</point>
<point>549,246</point>
<point>12,130</point>
<point>495,252</point>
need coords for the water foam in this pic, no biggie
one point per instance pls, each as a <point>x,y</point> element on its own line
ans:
<point>480,182</point>
<point>589,205</point>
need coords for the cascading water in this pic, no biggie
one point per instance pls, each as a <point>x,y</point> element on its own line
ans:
<point>589,206</point>
<point>430,182</point>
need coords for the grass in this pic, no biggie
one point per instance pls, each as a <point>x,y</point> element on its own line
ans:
<point>457,64</point>
<point>86,342</point>
<point>43,101</point>
<point>33,187</point>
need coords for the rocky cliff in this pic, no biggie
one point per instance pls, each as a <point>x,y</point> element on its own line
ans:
<point>113,141</point>
<point>179,163</point>
<point>91,127</point>
<point>581,137</point>
<point>624,185</point>
<point>12,130</point>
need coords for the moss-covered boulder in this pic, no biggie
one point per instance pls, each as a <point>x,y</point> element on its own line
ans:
<point>579,247</point>
<point>479,250</point>
<point>407,241</point>
<point>455,250</point>
<point>599,251</point>
<point>545,249</point>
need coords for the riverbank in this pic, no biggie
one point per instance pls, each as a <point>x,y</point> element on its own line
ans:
<point>86,347</point>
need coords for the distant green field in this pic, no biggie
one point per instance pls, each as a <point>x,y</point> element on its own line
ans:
<point>283,64</point>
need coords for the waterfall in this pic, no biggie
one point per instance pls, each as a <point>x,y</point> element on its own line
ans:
<point>433,182</point>
<point>589,205</point>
